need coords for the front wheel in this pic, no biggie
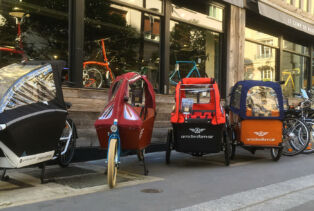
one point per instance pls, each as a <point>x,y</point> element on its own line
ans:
<point>112,163</point>
<point>275,153</point>
<point>92,78</point>
<point>168,146</point>
<point>68,143</point>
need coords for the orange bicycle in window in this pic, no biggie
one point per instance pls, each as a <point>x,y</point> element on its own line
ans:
<point>93,71</point>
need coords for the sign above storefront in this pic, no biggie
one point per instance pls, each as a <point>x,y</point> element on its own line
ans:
<point>287,19</point>
<point>238,3</point>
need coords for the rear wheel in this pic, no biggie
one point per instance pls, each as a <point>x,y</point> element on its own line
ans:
<point>275,153</point>
<point>227,148</point>
<point>112,164</point>
<point>168,146</point>
<point>296,136</point>
<point>67,136</point>
<point>233,144</point>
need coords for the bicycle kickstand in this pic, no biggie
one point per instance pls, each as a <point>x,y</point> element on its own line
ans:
<point>3,176</point>
<point>144,164</point>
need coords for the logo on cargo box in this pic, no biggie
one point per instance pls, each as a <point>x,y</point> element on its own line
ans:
<point>261,133</point>
<point>197,130</point>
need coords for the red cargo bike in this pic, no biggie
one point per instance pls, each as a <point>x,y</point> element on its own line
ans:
<point>198,120</point>
<point>127,121</point>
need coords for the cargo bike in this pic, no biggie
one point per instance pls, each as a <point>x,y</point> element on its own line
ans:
<point>198,120</point>
<point>127,120</point>
<point>34,122</point>
<point>256,117</point>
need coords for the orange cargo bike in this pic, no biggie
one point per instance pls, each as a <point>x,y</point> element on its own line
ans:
<point>256,117</point>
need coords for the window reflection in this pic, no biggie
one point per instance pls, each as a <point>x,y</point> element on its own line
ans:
<point>135,2</point>
<point>259,62</point>
<point>155,5</point>
<point>189,43</point>
<point>293,73</point>
<point>131,41</point>
<point>43,30</point>
<point>261,37</point>
<point>296,47</point>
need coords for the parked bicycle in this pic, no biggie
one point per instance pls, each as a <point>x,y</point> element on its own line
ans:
<point>296,128</point>
<point>97,74</point>
<point>175,76</point>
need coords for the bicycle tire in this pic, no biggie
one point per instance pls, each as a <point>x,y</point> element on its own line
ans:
<point>168,146</point>
<point>92,78</point>
<point>275,153</point>
<point>112,167</point>
<point>296,136</point>
<point>310,148</point>
<point>65,159</point>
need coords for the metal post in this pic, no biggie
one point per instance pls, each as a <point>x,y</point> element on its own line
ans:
<point>76,41</point>
<point>165,48</point>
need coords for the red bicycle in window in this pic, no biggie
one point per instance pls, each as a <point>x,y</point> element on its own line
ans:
<point>93,71</point>
<point>18,49</point>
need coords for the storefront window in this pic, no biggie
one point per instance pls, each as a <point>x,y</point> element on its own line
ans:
<point>295,47</point>
<point>198,14</point>
<point>33,30</point>
<point>293,73</point>
<point>190,43</point>
<point>259,62</point>
<point>155,5</point>
<point>131,43</point>
<point>261,37</point>
<point>135,2</point>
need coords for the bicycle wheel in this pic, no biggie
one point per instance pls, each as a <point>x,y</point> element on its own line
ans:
<point>168,146</point>
<point>92,78</point>
<point>275,153</point>
<point>67,136</point>
<point>296,136</point>
<point>112,167</point>
<point>227,148</point>
<point>310,147</point>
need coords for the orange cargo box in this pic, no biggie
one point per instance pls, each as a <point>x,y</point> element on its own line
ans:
<point>261,132</point>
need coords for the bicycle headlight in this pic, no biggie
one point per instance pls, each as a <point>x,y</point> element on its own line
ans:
<point>114,128</point>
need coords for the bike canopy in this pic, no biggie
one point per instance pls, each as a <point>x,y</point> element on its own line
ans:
<point>28,88</point>
<point>32,109</point>
<point>257,100</point>
<point>126,91</point>
<point>188,107</point>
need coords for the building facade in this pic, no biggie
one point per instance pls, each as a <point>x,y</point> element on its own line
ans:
<point>230,40</point>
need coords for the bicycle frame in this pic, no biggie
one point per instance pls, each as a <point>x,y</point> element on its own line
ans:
<point>115,135</point>
<point>177,71</point>
<point>104,64</point>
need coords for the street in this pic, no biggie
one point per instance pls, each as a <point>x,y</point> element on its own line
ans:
<point>251,182</point>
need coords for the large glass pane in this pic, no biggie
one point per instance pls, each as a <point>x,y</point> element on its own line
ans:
<point>135,2</point>
<point>155,5</point>
<point>119,40</point>
<point>189,43</point>
<point>199,14</point>
<point>259,62</point>
<point>296,47</point>
<point>33,29</point>
<point>293,73</point>
<point>261,37</point>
